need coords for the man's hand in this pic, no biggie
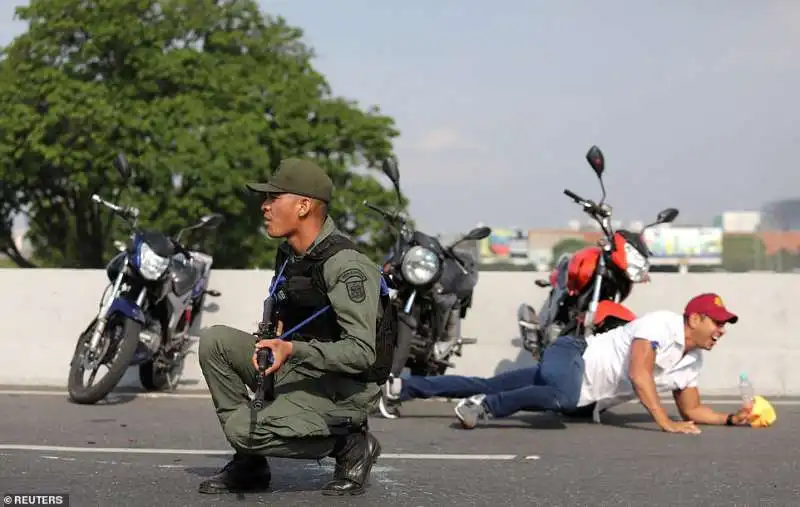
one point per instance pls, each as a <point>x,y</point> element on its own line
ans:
<point>743,416</point>
<point>690,407</point>
<point>680,427</point>
<point>281,350</point>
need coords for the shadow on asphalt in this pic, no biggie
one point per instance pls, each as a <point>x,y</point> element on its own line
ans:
<point>281,480</point>
<point>555,422</point>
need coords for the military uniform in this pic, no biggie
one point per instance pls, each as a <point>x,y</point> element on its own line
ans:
<point>320,386</point>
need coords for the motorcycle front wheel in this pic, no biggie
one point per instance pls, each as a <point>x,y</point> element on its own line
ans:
<point>118,343</point>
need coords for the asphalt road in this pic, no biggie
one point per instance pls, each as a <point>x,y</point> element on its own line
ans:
<point>535,459</point>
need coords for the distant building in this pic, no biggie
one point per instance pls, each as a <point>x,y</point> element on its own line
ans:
<point>783,215</point>
<point>738,221</point>
<point>775,241</point>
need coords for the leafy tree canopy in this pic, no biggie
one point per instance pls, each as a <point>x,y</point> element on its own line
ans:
<point>201,95</point>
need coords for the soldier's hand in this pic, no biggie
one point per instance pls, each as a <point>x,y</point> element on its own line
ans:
<point>281,350</point>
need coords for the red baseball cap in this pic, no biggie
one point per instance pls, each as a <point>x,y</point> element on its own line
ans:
<point>711,305</point>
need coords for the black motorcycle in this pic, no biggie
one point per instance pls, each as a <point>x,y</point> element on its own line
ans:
<point>156,292</point>
<point>432,286</point>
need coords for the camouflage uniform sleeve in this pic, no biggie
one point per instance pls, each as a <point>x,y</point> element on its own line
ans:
<point>353,288</point>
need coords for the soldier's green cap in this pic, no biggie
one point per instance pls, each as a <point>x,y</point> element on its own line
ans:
<point>297,176</point>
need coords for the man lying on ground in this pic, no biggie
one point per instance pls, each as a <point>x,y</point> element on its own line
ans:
<point>659,351</point>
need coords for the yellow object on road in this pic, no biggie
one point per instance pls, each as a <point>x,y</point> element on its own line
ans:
<point>763,413</point>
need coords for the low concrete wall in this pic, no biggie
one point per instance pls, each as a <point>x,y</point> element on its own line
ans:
<point>43,311</point>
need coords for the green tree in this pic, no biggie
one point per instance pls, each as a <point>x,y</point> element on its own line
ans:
<point>743,252</point>
<point>201,95</point>
<point>784,260</point>
<point>568,246</point>
<point>9,206</point>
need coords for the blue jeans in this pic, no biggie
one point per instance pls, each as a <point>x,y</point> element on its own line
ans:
<point>553,384</point>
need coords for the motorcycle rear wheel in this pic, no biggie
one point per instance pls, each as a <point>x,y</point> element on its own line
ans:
<point>127,332</point>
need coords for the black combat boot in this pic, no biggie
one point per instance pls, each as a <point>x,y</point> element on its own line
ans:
<point>355,454</point>
<point>246,472</point>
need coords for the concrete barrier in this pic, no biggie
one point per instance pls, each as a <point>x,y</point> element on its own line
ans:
<point>43,311</point>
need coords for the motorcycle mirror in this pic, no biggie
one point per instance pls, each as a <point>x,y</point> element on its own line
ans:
<point>666,216</point>
<point>121,164</point>
<point>211,221</point>
<point>389,168</point>
<point>596,159</point>
<point>478,233</point>
<point>598,162</point>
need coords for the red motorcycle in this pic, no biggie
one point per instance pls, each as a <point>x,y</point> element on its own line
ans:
<point>589,286</point>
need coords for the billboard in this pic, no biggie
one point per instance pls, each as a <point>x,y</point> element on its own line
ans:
<point>505,245</point>
<point>678,245</point>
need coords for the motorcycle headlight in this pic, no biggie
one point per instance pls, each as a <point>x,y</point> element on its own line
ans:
<point>638,266</point>
<point>151,265</point>
<point>419,265</point>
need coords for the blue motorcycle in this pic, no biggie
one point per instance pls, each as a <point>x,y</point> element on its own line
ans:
<point>157,292</point>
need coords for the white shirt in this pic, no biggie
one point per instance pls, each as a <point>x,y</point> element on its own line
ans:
<point>605,378</point>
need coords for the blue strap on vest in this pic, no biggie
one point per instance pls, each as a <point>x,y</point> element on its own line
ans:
<point>384,285</point>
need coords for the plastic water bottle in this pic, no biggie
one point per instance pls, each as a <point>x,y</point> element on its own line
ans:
<point>746,390</point>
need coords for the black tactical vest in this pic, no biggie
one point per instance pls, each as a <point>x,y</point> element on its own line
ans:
<point>304,293</point>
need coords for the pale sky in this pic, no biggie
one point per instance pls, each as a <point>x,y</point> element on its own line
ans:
<point>692,101</point>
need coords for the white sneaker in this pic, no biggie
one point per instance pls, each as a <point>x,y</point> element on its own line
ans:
<point>387,408</point>
<point>470,411</point>
<point>392,388</point>
<point>390,396</point>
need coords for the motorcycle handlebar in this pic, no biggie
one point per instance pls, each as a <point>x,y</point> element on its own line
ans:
<point>590,207</point>
<point>374,208</point>
<point>572,195</point>
<point>378,209</point>
<point>123,210</point>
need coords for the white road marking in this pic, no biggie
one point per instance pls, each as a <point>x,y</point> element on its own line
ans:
<point>477,457</point>
<point>206,396</point>
<point>534,456</point>
<point>184,396</point>
<point>112,450</point>
<point>215,452</point>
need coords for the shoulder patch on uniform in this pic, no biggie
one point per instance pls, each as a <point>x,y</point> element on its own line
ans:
<point>353,279</point>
